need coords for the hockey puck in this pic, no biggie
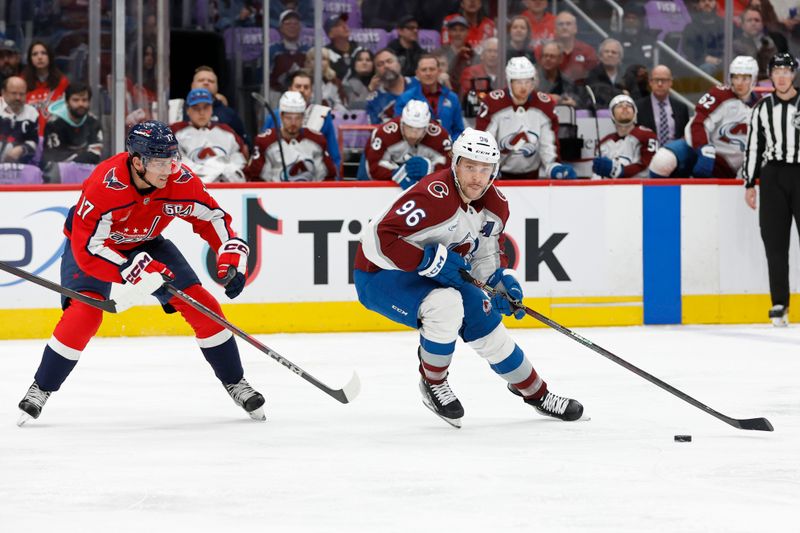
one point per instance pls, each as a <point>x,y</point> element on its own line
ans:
<point>683,438</point>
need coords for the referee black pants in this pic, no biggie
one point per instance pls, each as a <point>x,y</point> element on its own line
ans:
<point>780,202</point>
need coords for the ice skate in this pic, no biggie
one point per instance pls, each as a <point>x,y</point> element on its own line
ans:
<point>779,315</point>
<point>555,406</point>
<point>441,400</point>
<point>32,404</point>
<point>247,398</point>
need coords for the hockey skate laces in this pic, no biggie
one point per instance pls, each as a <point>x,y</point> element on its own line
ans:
<point>37,396</point>
<point>443,393</point>
<point>240,391</point>
<point>555,404</point>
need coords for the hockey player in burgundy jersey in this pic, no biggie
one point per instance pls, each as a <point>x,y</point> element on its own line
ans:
<point>627,152</point>
<point>525,126</point>
<point>114,236</point>
<point>407,148</point>
<point>716,137</point>
<point>301,155</point>
<point>408,269</point>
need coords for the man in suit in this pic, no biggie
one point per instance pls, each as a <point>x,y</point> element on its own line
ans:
<point>660,112</point>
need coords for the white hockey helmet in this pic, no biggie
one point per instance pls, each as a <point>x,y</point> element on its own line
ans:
<point>476,145</point>
<point>520,68</point>
<point>745,65</point>
<point>416,114</point>
<point>622,99</point>
<point>292,102</point>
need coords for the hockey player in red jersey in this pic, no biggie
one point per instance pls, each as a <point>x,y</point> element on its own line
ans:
<point>627,152</point>
<point>301,155</point>
<point>408,148</point>
<point>525,126</point>
<point>114,236</point>
<point>716,137</point>
<point>408,269</point>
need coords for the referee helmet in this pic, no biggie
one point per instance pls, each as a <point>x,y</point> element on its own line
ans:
<point>782,59</point>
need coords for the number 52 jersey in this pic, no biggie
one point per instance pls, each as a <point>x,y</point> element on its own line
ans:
<point>432,212</point>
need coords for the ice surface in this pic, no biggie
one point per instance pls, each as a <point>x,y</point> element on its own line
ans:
<point>143,438</point>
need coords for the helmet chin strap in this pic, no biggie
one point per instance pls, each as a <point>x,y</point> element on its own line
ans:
<point>141,175</point>
<point>458,184</point>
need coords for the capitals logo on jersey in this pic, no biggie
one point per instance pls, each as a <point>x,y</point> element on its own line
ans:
<point>111,181</point>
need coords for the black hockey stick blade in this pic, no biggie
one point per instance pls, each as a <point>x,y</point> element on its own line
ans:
<point>344,395</point>
<point>758,424</point>
<point>108,306</point>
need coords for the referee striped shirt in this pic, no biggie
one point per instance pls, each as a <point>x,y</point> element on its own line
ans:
<point>773,136</point>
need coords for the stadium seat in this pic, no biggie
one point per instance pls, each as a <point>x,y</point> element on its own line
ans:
<point>74,172</point>
<point>372,38</point>
<point>15,174</point>
<point>667,17</point>
<point>335,7</point>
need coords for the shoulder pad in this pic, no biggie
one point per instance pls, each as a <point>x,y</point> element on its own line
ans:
<point>544,97</point>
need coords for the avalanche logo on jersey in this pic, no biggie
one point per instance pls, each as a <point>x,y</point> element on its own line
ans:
<point>112,182</point>
<point>466,247</point>
<point>206,152</point>
<point>735,134</point>
<point>302,170</point>
<point>525,142</point>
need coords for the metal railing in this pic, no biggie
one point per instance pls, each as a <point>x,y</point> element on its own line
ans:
<point>587,19</point>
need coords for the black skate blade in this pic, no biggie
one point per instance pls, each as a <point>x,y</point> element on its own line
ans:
<point>455,422</point>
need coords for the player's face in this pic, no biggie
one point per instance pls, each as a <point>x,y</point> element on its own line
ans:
<point>782,78</point>
<point>200,115</point>
<point>623,113</point>
<point>78,104</point>
<point>521,89</point>
<point>291,123</point>
<point>473,177</point>
<point>413,136</point>
<point>158,170</point>
<point>740,83</point>
<point>302,85</point>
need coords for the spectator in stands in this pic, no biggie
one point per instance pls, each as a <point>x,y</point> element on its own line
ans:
<point>406,46</point>
<point>317,118</point>
<point>637,41</point>
<point>636,81</point>
<point>205,78</point>
<point>444,68</point>
<point>407,148</point>
<point>519,39</point>
<point>332,92</point>
<point>236,14</point>
<point>361,81</point>
<point>9,59</point>
<point>46,84</point>
<point>483,76</point>
<point>660,112</point>
<point>445,106</point>
<point>19,134</point>
<point>459,53</point>
<point>578,57</point>
<point>391,84</point>
<point>479,25</point>
<point>550,80</point>
<point>293,152</point>
<point>755,41</point>
<point>286,55</point>
<point>211,149</point>
<point>342,49</point>
<point>72,133</point>
<point>606,78</point>
<point>141,94</point>
<point>704,37</point>
<point>541,20</point>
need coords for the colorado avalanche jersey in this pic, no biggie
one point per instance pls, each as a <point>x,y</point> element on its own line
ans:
<point>432,212</point>
<point>633,151</point>
<point>113,215</point>
<point>388,150</point>
<point>306,158</point>
<point>215,153</point>
<point>527,135</point>
<point>722,119</point>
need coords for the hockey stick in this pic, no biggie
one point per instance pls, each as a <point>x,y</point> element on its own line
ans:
<point>109,306</point>
<point>596,121</point>
<point>759,424</point>
<point>258,97</point>
<point>345,395</point>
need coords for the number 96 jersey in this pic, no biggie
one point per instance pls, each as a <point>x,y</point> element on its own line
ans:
<point>432,212</point>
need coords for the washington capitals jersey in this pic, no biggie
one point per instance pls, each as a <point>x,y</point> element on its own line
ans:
<point>432,212</point>
<point>527,135</point>
<point>722,119</point>
<point>633,151</point>
<point>388,150</point>
<point>306,158</point>
<point>112,215</point>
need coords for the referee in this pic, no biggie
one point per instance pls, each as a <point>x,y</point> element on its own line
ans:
<point>773,156</point>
